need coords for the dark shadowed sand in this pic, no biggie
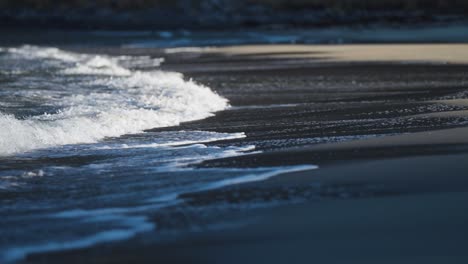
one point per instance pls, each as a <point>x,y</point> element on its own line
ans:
<point>388,127</point>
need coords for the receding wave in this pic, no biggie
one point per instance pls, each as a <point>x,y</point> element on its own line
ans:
<point>114,101</point>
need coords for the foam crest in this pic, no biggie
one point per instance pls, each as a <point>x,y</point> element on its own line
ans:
<point>126,101</point>
<point>84,64</point>
<point>34,52</point>
<point>98,65</point>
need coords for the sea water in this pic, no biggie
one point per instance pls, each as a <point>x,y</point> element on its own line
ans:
<point>77,164</point>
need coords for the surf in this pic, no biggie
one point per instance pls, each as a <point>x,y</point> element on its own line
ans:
<point>113,100</point>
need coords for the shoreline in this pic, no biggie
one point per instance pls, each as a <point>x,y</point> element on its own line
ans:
<point>389,139</point>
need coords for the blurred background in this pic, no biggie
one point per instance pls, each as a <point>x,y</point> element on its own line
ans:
<point>226,14</point>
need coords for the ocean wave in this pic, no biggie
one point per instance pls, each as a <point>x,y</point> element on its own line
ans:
<point>116,100</point>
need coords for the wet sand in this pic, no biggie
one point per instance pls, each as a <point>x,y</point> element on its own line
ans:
<point>388,132</point>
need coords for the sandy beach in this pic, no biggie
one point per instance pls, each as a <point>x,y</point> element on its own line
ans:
<point>387,126</point>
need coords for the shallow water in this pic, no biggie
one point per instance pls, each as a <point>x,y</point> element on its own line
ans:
<point>76,165</point>
<point>81,162</point>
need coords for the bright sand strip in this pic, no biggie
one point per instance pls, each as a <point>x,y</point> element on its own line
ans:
<point>438,53</point>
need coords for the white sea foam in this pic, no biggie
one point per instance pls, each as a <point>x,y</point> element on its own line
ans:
<point>256,174</point>
<point>187,50</point>
<point>33,52</point>
<point>253,177</point>
<point>193,137</point>
<point>84,64</point>
<point>129,102</point>
<point>98,65</point>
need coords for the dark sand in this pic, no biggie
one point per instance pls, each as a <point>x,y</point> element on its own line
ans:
<point>390,137</point>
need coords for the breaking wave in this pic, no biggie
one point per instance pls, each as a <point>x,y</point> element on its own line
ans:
<point>112,101</point>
